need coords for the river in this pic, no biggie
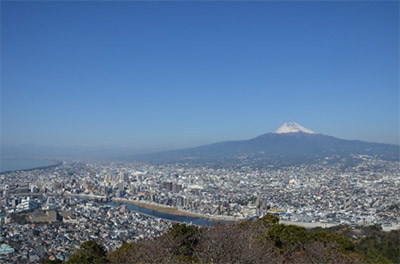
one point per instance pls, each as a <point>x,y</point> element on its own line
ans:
<point>171,217</point>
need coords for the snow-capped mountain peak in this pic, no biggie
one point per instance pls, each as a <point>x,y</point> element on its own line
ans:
<point>292,127</point>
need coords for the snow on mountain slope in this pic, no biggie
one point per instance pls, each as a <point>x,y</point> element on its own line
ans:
<point>292,127</point>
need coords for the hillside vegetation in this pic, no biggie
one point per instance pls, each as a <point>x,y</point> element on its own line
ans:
<point>253,241</point>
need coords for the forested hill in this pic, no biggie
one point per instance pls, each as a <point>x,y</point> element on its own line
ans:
<point>254,241</point>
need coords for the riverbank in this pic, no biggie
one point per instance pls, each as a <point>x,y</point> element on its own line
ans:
<point>170,211</point>
<point>176,211</point>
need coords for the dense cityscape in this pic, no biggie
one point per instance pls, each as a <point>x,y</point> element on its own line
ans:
<point>47,213</point>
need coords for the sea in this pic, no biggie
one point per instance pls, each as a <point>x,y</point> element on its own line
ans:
<point>13,164</point>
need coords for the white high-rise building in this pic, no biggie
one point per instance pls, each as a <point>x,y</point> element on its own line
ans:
<point>27,204</point>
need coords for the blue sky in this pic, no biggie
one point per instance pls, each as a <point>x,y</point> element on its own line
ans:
<point>177,74</point>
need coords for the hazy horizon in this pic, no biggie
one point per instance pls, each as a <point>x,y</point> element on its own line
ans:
<point>142,150</point>
<point>170,75</point>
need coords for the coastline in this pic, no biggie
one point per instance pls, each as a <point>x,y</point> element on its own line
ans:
<point>55,164</point>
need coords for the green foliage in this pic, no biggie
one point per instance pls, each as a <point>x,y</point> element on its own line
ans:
<point>287,236</point>
<point>127,247</point>
<point>269,219</point>
<point>126,251</point>
<point>339,242</point>
<point>246,223</point>
<point>89,252</point>
<point>261,223</point>
<point>381,247</point>
<point>184,238</point>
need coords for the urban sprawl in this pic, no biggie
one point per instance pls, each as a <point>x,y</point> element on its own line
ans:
<point>48,213</point>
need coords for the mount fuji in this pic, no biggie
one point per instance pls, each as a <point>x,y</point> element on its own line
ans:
<point>292,127</point>
<point>289,144</point>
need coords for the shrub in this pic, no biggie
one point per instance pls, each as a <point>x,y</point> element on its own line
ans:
<point>184,238</point>
<point>89,252</point>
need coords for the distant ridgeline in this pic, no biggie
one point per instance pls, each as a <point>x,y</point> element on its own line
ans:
<point>254,241</point>
<point>289,144</point>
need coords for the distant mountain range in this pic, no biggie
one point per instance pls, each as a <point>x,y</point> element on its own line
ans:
<point>289,144</point>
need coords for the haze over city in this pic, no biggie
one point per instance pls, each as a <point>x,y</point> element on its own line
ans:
<point>169,75</point>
